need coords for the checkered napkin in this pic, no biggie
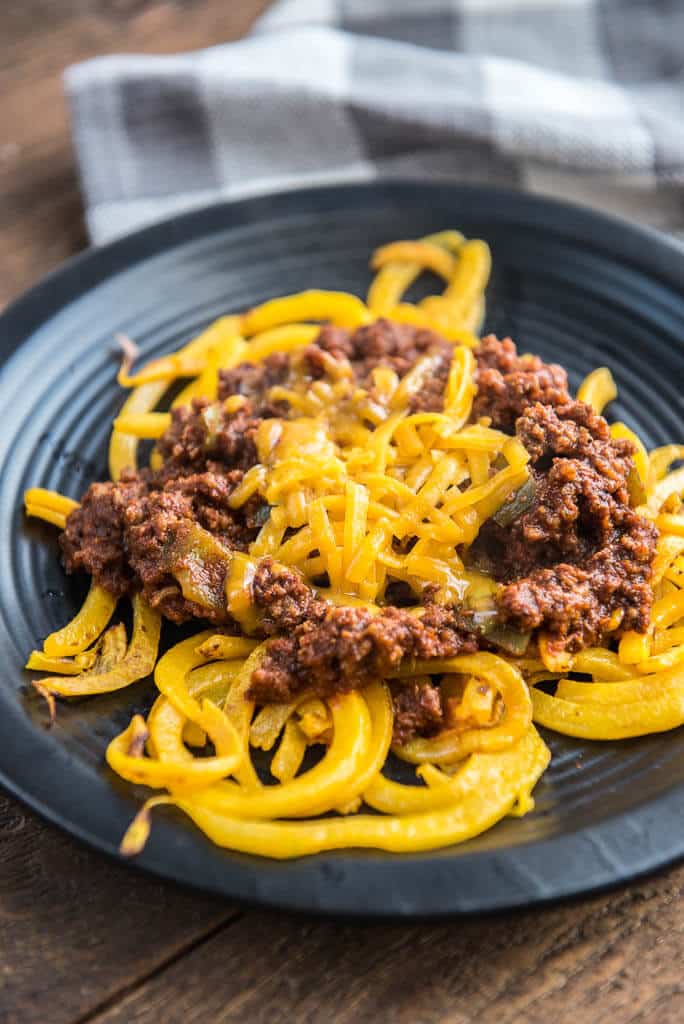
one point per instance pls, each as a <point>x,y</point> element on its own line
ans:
<point>578,98</point>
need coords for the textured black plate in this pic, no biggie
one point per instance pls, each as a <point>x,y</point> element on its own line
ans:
<point>568,284</point>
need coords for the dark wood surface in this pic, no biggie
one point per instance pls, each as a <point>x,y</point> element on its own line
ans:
<point>84,939</point>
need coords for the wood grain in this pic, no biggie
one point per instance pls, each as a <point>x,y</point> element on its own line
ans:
<point>613,960</point>
<point>76,928</point>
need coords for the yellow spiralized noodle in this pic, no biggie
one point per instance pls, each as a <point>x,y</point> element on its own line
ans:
<point>143,424</point>
<point>633,648</point>
<point>269,723</point>
<point>397,274</point>
<point>328,783</point>
<point>123,448</point>
<point>671,485</point>
<point>454,744</point>
<point>165,732</point>
<point>48,505</point>
<point>602,664</point>
<point>397,798</point>
<point>503,778</point>
<point>471,275</point>
<point>228,350</point>
<point>188,361</point>
<point>338,307</point>
<point>38,661</point>
<point>171,677</point>
<point>453,325</point>
<point>363,490</point>
<point>219,344</point>
<point>621,432</point>
<point>226,647</point>
<point>672,524</point>
<point>428,256</point>
<point>286,338</point>
<point>660,459</point>
<point>164,773</point>
<point>288,758</point>
<point>137,662</point>
<point>631,708</point>
<point>86,626</point>
<point>165,369</point>
<point>598,389</point>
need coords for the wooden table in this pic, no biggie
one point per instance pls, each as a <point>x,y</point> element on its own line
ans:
<point>84,939</point>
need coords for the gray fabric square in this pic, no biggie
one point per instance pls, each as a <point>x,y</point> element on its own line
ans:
<point>405,95</point>
<point>668,146</point>
<point>552,35</point>
<point>467,160</point>
<point>643,40</point>
<point>98,131</point>
<point>373,10</point>
<point>661,108</point>
<point>388,135</point>
<point>297,132</point>
<point>441,31</point>
<point>166,125</point>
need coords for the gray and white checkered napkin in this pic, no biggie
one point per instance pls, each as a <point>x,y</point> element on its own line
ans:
<point>579,98</point>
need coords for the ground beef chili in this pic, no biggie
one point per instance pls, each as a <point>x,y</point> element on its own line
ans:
<point>329,649</point>
<point>418,710</point>
<point>122,532</point>
<point>253,380</point>
<point>383,343</point>
<point>93,540</point>
<point>204,436</point>
<point>395,346</point>
<point>574,559</point>
<point>579,558</point>
<point>507,384</point>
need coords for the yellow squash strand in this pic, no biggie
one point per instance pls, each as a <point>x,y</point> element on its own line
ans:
<point>181,775</point>
<point>502,779</point>
<point>598,389</point>
<point>143,424</point>
<point>338,307</point>
<point>123,448</point>
<point>137,663</point>
<point>50,506</point>
<point>453,744</point>
<point>318,789</point>
<point>86,626</point>
<point>617,710</point>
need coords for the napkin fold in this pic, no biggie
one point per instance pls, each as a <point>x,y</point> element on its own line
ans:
<point>577,98</point>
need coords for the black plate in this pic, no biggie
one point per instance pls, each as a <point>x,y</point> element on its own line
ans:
<point>568,284</point>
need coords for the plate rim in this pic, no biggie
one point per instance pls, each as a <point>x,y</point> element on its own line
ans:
<point>646,248</point>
